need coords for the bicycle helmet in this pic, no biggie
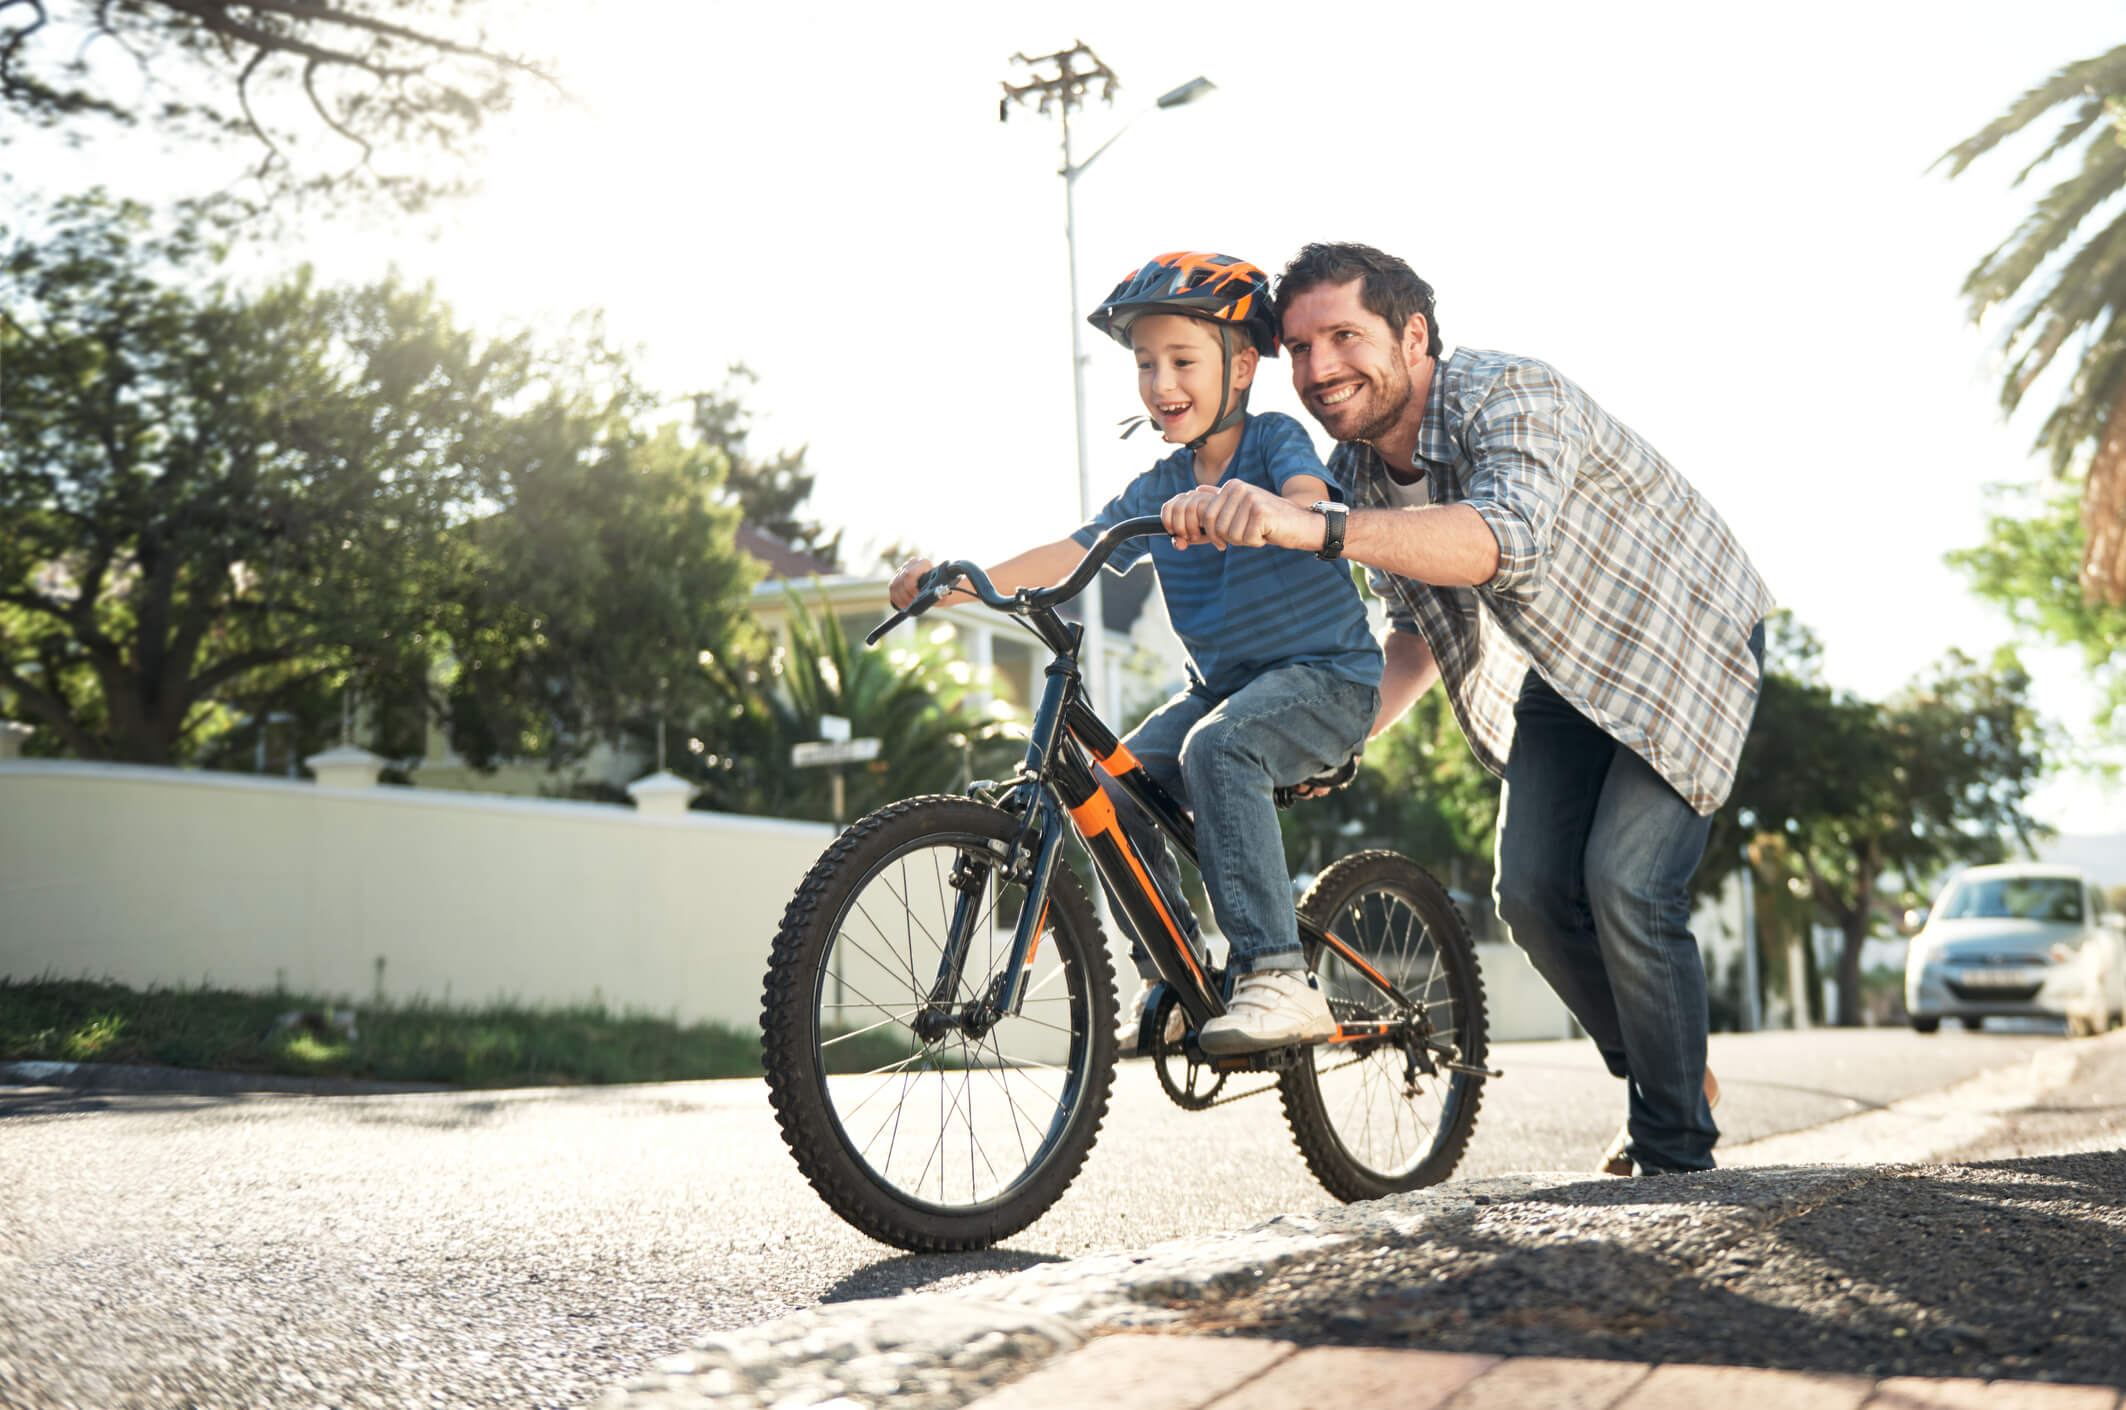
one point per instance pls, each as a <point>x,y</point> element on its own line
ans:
<point>1196,284</point>
<point>1230,294</point>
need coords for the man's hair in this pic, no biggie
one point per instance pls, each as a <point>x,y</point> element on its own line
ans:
<point>1390,288</point>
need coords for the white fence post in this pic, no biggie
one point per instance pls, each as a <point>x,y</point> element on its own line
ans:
<point>348,766</point>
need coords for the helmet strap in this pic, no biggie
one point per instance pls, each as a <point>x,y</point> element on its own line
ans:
<point>1229,410</point>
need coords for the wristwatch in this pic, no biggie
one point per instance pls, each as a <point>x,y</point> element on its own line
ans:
<point>1332,534</point>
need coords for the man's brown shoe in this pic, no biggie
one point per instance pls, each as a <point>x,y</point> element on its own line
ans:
<point>1616,1161</point>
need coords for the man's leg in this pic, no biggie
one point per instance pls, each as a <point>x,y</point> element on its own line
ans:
<point>1643,849</point>
<point>1281,728</point>
<point>1645,844</point>
<point>1547,806</point>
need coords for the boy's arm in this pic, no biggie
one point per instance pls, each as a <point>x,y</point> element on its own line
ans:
<point>1036,567</point>
<point>1306,491</point>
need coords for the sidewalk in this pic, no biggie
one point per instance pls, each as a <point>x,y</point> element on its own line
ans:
<point>1223,1373</point>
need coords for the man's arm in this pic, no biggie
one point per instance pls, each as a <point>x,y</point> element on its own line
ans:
<point>1447,545</point>
<point>1408,671</point>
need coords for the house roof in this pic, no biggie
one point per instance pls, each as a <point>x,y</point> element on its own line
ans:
<point>781,559</point>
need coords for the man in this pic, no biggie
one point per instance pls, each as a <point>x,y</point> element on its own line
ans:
<point>1597,628</point>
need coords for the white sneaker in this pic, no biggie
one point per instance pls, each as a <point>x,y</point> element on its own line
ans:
<point>1273,1008</point>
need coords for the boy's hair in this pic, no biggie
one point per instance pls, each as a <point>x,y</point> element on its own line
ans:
<point>1389,289</point>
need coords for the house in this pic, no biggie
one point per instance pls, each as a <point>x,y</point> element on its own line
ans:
<point>1143,656</point>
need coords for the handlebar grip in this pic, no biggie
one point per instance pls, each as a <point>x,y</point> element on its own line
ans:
<point>871,638</point>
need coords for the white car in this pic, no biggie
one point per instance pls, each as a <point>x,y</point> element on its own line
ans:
<point>2021,941</point>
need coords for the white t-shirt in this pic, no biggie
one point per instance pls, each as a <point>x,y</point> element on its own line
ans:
<point>1415,495</point>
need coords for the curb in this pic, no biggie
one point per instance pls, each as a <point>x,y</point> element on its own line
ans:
<point>940,1351</point>
<point>121,1077</point>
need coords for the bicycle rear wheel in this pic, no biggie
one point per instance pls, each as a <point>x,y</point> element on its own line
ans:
<point>959,1139</point>
<point>1365,1123</point>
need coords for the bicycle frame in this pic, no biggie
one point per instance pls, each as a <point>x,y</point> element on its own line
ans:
<point>1069,753</point>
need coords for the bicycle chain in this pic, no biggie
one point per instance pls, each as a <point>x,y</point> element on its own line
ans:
<point>1271,1086</point>
<point>1268,1087</point>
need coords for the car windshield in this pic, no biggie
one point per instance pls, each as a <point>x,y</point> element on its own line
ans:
<point>2014,898</point>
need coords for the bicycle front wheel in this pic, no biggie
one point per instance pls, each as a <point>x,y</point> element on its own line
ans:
<point>1367,1118</point>
<point>923,1135</point>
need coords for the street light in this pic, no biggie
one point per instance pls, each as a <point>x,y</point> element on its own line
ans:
<point>1077,69</point>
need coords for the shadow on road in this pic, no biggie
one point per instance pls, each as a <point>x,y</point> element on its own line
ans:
<point>908,1272</point>
<point>2006,1269</point>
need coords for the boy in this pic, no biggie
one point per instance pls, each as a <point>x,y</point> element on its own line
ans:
<point>1283,674</point>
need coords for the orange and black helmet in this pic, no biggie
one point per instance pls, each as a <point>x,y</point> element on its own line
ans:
<point>1197,284</point>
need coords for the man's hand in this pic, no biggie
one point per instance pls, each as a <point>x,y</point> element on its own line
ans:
<point>1237,514</point>
<point>907,582</point>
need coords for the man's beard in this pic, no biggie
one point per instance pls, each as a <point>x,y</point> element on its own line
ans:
<point>1394,398</point>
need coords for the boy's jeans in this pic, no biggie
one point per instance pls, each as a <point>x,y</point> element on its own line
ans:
<point>1221,759</point>
<point>1595,855</point>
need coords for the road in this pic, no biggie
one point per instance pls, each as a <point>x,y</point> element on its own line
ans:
<point>531,1248</point>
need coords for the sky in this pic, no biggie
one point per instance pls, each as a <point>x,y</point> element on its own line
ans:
<point>1721,221</point>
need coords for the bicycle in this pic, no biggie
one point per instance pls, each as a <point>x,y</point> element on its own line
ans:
<point>939,980</point>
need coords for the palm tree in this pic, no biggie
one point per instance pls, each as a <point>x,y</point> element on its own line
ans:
<point>2069,253</point>
<point>915,703</point>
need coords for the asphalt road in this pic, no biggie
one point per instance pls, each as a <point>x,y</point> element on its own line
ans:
<point>531,1248</point>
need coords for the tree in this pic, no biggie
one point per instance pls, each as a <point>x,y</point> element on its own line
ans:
<point>1833,794</point>
<point>769,493</point>
<point>212,501</point>
<point>286,76</point>
<point>2029,565</point>
<point>760,705</point>
<point>2069,257</point>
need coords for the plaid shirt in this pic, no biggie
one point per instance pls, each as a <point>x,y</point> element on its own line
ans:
<point>1616,580</point>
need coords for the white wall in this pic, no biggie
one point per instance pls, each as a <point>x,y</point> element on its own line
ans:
<point>167,876</point>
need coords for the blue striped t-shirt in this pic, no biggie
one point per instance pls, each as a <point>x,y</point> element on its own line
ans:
<point>1248,610</point>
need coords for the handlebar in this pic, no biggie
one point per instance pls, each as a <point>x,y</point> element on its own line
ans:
<point>946,576</point>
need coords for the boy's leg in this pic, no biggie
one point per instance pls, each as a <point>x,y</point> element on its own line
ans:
<point>1156,744</point>
<point>1281,728</point>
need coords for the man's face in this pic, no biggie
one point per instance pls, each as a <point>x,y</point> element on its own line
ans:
<point>1348,366</point>
<point>1179,365</point>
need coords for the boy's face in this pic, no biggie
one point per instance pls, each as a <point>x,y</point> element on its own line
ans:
<point>1179,360</point>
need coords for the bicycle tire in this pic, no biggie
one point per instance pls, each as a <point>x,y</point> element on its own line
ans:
<point>818,1111</point>
<point>1360,897</point>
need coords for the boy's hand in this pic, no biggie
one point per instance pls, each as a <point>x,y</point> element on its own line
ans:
<point>1239,514</point>
<point>907,582</point>
<point>1184,515</point>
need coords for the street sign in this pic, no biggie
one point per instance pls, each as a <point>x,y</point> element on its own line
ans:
<point>827,751</point>
<point>834,728</point>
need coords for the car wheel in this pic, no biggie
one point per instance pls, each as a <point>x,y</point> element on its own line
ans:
<point>1972,1025</point>
<point>1926,1025</point>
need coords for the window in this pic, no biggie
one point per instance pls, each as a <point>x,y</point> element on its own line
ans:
<point>2053,898</point>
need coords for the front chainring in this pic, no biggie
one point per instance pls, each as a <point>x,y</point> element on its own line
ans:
<point>1192,1086</point>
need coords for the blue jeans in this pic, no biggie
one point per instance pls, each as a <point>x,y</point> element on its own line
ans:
<point>1221,758</point>
<point>1595,856</point>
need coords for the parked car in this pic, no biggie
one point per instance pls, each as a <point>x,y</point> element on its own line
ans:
<point>2022,941</point>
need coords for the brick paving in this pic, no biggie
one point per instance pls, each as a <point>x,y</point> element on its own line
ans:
<point>1245,1373</point>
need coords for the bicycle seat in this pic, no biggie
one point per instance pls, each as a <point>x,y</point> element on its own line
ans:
<point>1337,777</point>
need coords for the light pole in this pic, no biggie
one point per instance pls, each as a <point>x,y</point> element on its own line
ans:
<point>1076,70</point>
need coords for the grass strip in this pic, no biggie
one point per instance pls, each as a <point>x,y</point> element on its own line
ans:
<point>489,1045</point>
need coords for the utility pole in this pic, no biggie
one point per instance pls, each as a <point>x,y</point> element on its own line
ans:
<point>1061,82</point>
